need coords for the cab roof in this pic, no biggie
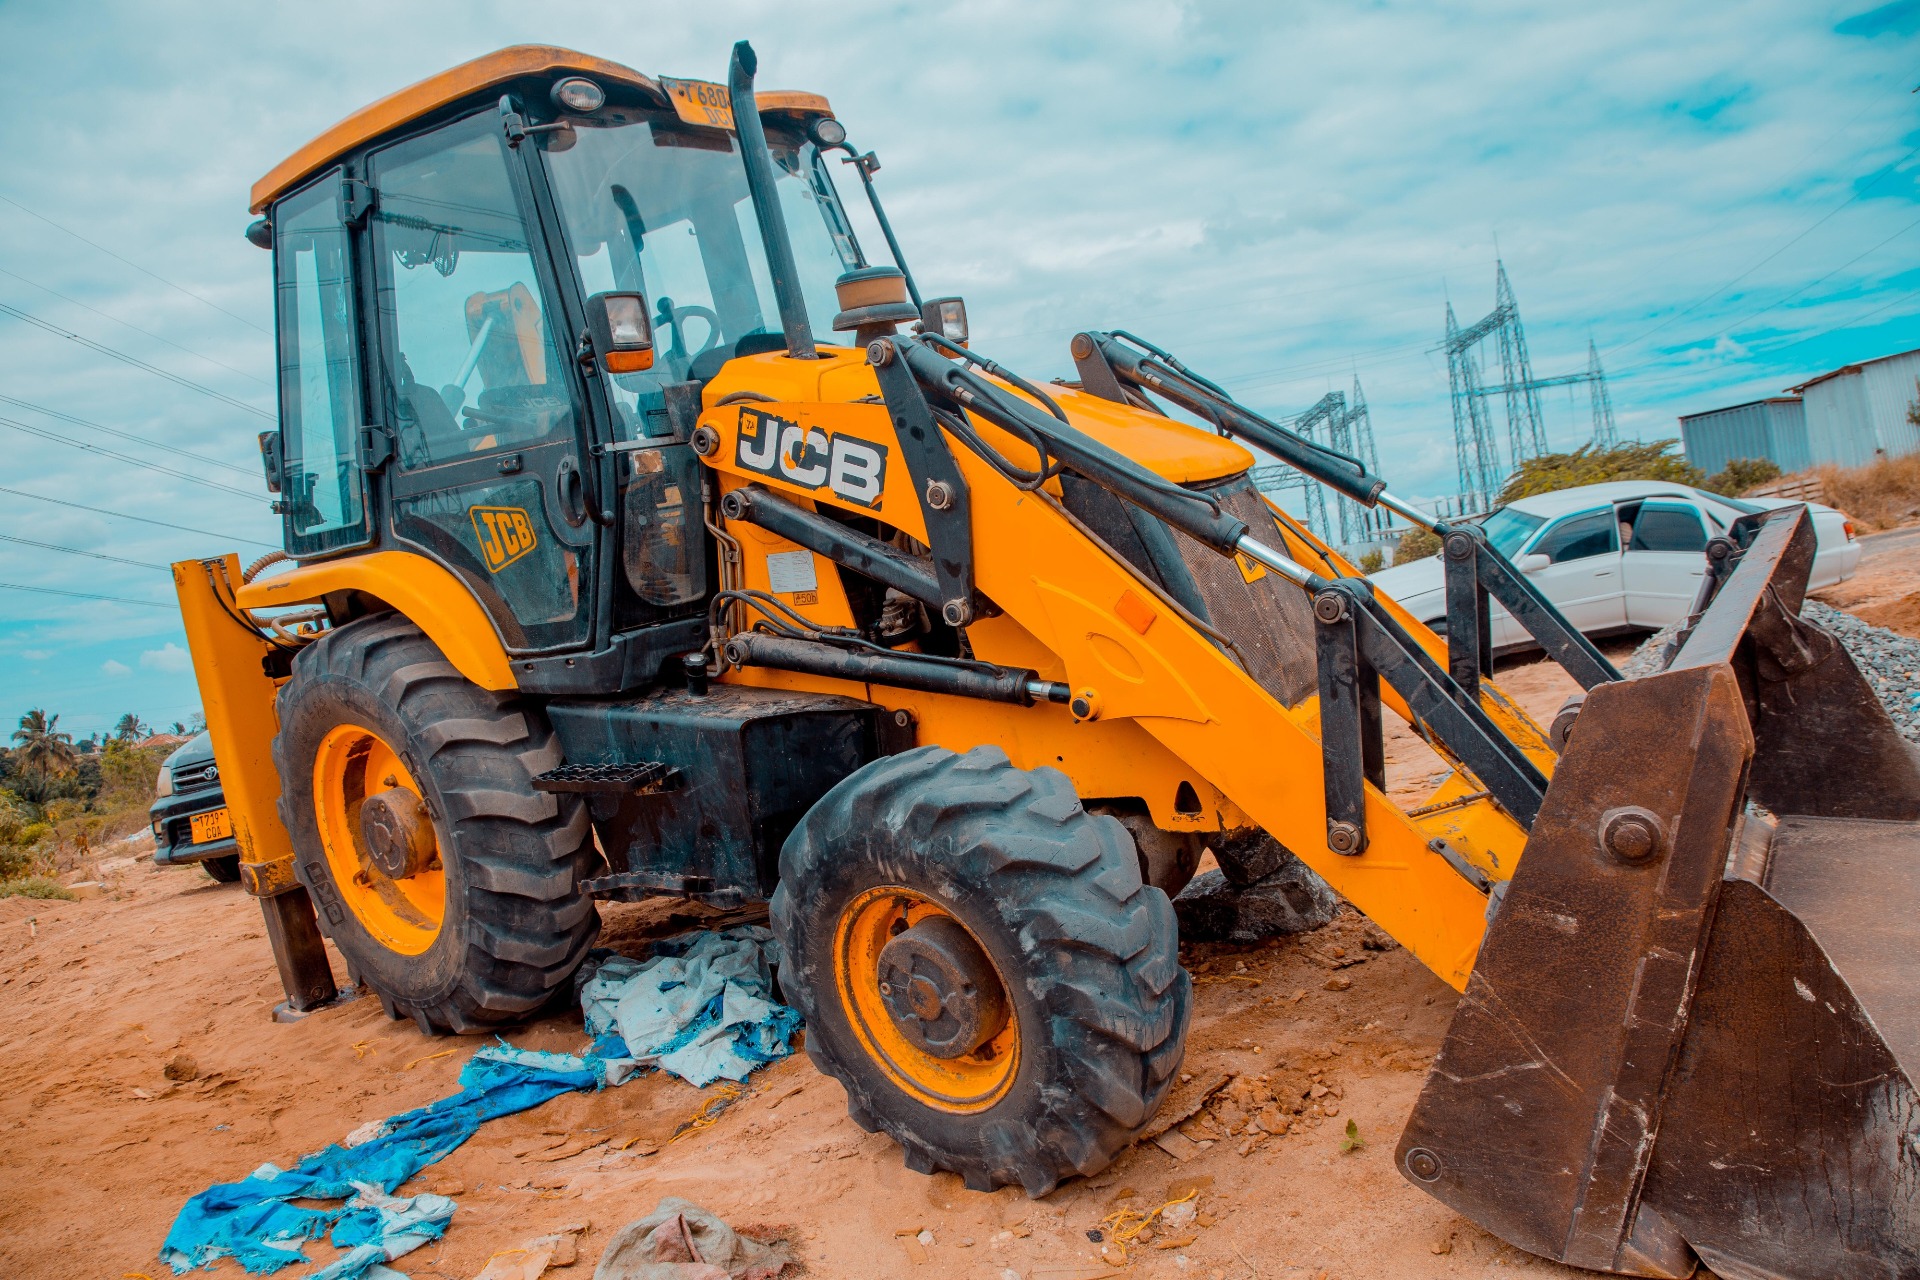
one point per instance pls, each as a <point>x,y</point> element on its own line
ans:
<point>491,71</point>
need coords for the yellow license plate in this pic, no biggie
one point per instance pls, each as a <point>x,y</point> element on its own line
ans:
<point>217,825</point>
<point>700,102</point>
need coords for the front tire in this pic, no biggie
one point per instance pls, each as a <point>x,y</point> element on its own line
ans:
<point>451,887</point>
<point>225,869</point>
<point>1031,934</point>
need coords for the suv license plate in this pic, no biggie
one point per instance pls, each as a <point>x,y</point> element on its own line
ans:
<point>217,825</point>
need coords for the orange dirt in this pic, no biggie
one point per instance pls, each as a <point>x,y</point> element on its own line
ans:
<point>104,1002</point>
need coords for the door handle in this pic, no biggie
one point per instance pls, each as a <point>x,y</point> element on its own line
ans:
<point>571,492</point>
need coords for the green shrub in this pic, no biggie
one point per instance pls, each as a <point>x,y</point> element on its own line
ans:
<point>1741,475</point>
<point>65,807</point>
<point>1415,544</point>
<point>1373,561</point>
<point>1634,460</point>
<point>34,887</point>
<point>128,773</point>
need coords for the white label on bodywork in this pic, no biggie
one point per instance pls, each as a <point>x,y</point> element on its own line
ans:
<point>789,571</point>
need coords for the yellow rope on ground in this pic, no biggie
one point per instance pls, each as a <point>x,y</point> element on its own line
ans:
<point>361,1049</point>
<point>709,1111</point>
<point>1125,1225</point>
<point>444,1053</point>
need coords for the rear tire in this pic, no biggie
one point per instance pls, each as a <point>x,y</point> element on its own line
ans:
<point>513,922</point>
<point>224,869</point>
<point>1088,955</point>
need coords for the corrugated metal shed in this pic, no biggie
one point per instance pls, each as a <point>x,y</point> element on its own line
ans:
<point>1858,412</point>
<point>1775,429</point>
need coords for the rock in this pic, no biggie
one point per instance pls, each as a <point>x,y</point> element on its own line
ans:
<point>1339,982</point>
<point>85,889</point>
<point>1290,899</point>
<point>1889,660</point>
<point>181,1068</point>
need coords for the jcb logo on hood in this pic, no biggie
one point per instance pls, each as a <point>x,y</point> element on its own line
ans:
<point>852,468</point>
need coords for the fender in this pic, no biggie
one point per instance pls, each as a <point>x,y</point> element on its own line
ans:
<point>431,596</point>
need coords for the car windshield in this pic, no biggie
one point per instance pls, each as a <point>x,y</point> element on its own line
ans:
<point>655,207</point>
<point>1507,529</point>
<point>1721,500</point>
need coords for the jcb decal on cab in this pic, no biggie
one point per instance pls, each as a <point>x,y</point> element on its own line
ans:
<point>854,469</point>
<point>505,534</point>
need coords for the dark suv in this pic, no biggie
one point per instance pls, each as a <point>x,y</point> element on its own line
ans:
<point>190,818</point>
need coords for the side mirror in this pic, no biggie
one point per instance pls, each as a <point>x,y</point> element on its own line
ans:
<point>270,459</point>
<point>621,331</point>
<point>1532,562</point>
<point>946,317</point>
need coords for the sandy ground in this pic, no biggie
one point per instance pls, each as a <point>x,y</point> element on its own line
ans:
<point>142,1065</point>
<point>1886,589</point>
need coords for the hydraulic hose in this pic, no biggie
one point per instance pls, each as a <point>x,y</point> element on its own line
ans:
<point>1196,395</point>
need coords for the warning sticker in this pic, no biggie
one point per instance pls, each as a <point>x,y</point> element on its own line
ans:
<point>791,571</point>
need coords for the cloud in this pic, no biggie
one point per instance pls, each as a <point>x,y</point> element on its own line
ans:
<point>1285,194</point>
<point>35,655</point>
<point>172,659</point>
<point>116,669</point>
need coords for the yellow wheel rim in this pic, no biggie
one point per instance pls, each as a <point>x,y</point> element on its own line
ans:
<point>403,915</point>
<point>966,1084</point>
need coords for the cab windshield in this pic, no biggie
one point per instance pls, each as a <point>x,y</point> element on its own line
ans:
<point>655,207</point>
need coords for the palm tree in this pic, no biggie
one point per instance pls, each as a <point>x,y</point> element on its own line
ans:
<point>43,748</point>
<point>130,727</point>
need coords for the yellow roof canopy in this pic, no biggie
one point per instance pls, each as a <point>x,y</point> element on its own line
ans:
<point>505,66</point>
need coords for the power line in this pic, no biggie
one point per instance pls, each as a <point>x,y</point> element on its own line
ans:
<point>1811,283</point>
<point>82,595</point>
<point>124,358</point>
<point>136,328</point>
<point>142,463</point>
<point>136,266</point>
<point>76,551</point>
<point>127,435</point>
<point>1816,225</point>
<point>122,515</point>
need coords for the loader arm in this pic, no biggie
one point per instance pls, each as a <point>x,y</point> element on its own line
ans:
<point>1127,653</point>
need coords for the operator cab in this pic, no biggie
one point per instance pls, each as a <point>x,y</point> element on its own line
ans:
<point>438,258</point>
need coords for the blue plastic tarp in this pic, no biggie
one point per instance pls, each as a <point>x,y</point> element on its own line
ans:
<point>702,1010</point>
<point>252,1221</point>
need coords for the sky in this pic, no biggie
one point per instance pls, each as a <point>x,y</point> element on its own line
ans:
<point>1724,199</point>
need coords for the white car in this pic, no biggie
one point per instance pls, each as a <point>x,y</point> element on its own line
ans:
<point>1623,556</point>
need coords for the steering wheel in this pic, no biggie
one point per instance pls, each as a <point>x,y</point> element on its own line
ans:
<point>671,313</point>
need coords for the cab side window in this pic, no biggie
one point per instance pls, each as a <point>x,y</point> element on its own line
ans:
<point>1594,533</point>
<point>472,363</point>
<point>319,372</point>
<point>1668,527</point>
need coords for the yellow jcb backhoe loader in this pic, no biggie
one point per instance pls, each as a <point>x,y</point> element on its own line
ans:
<point>613,576</point>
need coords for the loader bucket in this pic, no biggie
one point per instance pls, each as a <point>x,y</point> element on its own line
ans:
<point>1693,1030</point>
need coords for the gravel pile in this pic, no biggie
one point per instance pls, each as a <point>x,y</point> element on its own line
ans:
<point>1889,661</point>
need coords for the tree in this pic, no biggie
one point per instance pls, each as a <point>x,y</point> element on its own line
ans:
<point>179,730</point>
<point>1635,460</point>
<point>131,727</point>
<point>1373,561</point>
<point>44,749</point>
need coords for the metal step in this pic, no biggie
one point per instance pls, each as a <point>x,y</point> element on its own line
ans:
<point>646,777</point>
